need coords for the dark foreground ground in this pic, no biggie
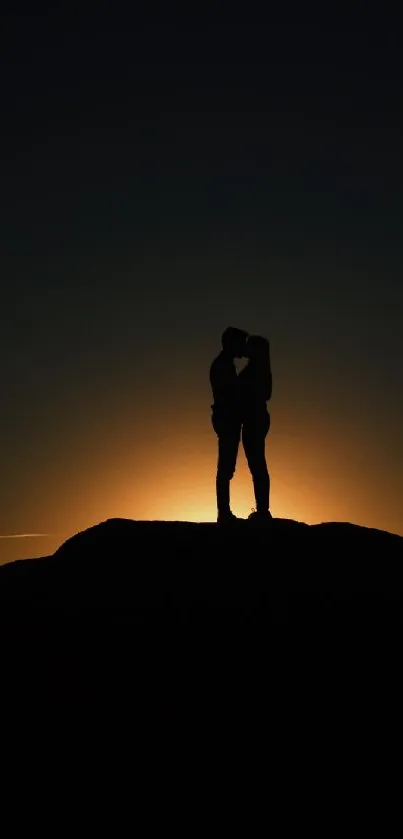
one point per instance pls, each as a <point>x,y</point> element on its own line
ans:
<point>264,636</point>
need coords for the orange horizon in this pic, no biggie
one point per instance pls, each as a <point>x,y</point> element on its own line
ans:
<point>139,467</point>
<point>175,481</point>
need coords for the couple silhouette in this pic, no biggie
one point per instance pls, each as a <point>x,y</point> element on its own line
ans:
<point>239,411</point>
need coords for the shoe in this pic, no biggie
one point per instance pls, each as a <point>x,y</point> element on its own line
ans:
<point>227,518</point>
<point>260,517</point>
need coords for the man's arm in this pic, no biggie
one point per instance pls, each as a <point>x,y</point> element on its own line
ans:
<point>223,381</point>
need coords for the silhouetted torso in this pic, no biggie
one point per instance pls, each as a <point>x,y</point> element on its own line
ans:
<point>225,387</point>
<point>255,391</point>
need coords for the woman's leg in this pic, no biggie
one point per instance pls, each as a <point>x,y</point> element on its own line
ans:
<point>254,440</point>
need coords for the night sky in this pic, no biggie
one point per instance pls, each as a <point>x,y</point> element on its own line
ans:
<point>162,178</point>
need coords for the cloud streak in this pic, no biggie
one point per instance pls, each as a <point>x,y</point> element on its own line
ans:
<point>25,535</point>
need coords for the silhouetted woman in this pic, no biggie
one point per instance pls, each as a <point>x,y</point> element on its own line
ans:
<point>256,388</point>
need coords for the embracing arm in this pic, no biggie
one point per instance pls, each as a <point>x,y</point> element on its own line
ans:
<point>269,379</point>
<point>223,381</point>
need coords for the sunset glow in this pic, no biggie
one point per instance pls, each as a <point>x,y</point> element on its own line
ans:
<point>311,481</point>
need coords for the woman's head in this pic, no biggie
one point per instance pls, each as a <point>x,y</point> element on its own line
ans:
<point>258,369</point>
<point>257,348</point>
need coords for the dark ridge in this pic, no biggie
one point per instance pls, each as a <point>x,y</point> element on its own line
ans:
<point>175,621</point>
<point>146,563</point>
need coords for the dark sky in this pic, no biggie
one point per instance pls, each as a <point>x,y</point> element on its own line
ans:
<point>162,178</point>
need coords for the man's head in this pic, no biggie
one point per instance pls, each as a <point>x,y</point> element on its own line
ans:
<point>233,341</point>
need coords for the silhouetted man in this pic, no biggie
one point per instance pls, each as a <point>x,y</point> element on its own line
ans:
<point>227,415</point>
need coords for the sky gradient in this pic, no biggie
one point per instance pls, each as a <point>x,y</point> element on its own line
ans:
<point>164,178</point>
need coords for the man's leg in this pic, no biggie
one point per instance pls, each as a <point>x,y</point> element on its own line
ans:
<point>228,445</point>
<point>254,445</point>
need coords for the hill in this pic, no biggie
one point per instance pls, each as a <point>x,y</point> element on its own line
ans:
<point>175,621</point>
<point>147,563</point>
